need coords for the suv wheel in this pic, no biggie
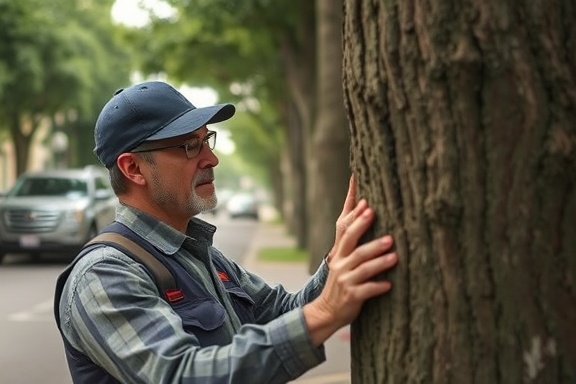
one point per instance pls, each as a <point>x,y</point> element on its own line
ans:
<point>2,254</point>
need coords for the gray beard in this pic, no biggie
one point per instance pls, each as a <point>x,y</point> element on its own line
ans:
<point>199,204</point>
<point>195,204</point>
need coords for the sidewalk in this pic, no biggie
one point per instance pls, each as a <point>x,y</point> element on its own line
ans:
<point>336,368</point>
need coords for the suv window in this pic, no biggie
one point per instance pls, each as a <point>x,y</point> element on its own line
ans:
<point>49,186</point>
<point>102,183</point>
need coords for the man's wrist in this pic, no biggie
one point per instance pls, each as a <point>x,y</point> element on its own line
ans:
<point>320,323</point>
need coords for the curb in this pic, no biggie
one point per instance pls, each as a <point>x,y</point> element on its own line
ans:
<point>250,258</point>
<point>334,378</point>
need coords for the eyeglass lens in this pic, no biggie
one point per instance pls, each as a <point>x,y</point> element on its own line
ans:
<point>194,147</point>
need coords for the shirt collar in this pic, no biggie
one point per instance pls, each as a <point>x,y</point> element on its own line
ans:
<point>160,235</point>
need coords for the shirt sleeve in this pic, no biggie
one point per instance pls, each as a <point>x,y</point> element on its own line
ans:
<point>111,311</point>
<point>273,300</point>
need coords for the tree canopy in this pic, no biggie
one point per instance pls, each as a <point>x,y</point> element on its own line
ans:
<point>55,57</point>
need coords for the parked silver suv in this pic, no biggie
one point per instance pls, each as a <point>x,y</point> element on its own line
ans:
<point>55,211</point>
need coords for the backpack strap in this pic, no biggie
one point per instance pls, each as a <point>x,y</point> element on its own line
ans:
<point>163,277</point>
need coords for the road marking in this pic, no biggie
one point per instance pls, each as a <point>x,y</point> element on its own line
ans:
<point>40,312</point>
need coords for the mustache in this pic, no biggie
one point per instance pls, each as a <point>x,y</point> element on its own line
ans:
<point>204,176</point>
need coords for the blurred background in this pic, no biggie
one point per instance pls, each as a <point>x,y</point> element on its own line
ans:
<point>278,62</point>
<point>284,157</point>
<point>462,139</point>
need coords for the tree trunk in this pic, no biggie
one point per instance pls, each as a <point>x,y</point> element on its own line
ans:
<point>299,64</point>
<point>328,172</point>
<point>21,141</point>
<point>295,175</point>
<point>463,140</point>
<point>277,187</point>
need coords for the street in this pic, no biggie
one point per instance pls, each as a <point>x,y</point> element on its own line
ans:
<point>30,347</point>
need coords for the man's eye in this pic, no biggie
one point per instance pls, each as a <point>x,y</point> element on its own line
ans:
<point>193,145</point>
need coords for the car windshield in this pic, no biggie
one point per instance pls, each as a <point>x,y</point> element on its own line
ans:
<point>50,186</point>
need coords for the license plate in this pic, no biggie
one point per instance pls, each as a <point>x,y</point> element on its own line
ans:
<point>29,241</point>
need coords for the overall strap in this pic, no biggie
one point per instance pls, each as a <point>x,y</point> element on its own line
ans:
<point>162,276</point>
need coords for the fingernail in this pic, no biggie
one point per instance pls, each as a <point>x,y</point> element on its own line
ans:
<point>387,240</point>
<point>390,257</point>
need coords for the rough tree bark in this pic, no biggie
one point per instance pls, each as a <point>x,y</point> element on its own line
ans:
<point>463,139</point>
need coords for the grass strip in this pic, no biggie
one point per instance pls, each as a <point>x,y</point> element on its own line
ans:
<point>283,254</point>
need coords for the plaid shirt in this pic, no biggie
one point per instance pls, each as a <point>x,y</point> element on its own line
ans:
<point>111,311</point>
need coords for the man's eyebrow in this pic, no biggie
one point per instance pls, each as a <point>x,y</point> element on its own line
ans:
<point>192,136</point>
<point>196,134</point>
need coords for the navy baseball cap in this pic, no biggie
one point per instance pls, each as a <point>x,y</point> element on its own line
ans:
<point>149,111</point>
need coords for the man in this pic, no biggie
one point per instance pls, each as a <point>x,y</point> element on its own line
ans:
<point>227,325</point>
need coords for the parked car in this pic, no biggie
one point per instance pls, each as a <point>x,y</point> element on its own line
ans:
<point>223,196</point>
<point>55,211</point>
<point>243,205</point>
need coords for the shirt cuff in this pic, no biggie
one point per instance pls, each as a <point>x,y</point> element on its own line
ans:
<point>296,350</point>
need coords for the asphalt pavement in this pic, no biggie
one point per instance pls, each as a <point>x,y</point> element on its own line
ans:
<point>293,275</point>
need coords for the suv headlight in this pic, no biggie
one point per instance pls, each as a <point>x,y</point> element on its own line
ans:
<point>74,216</point>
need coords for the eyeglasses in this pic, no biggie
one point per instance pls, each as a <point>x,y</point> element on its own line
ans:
<point>192,146</point>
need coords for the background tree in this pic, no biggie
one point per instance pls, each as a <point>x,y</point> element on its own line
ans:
<point>57,60</point>
<point>330,146</point>
<point>267,51</point>
<point>463,140</point>
<point>105,63</point>
<point>250,50</point>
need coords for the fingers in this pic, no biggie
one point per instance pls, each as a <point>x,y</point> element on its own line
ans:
<point>372,289</point>
<point>360,207</point>
<point>379,247</point>
<point>368,260</point>
<point>349,213</point>
<point>368,269</point>
<point>350,201</point>
<point>362,217</point>
<point>346,220</point>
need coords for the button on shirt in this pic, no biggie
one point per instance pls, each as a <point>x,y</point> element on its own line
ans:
<point>112,312</point>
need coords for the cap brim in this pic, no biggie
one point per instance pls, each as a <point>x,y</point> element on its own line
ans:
<point>193,120</point>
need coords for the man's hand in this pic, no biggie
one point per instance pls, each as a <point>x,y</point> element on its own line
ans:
<point>351,279</point>
<point>346,216</point>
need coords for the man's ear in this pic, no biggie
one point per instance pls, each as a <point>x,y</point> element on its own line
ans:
<point>129,165</point>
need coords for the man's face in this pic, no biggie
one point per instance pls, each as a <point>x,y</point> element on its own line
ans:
<point>182,186</point>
